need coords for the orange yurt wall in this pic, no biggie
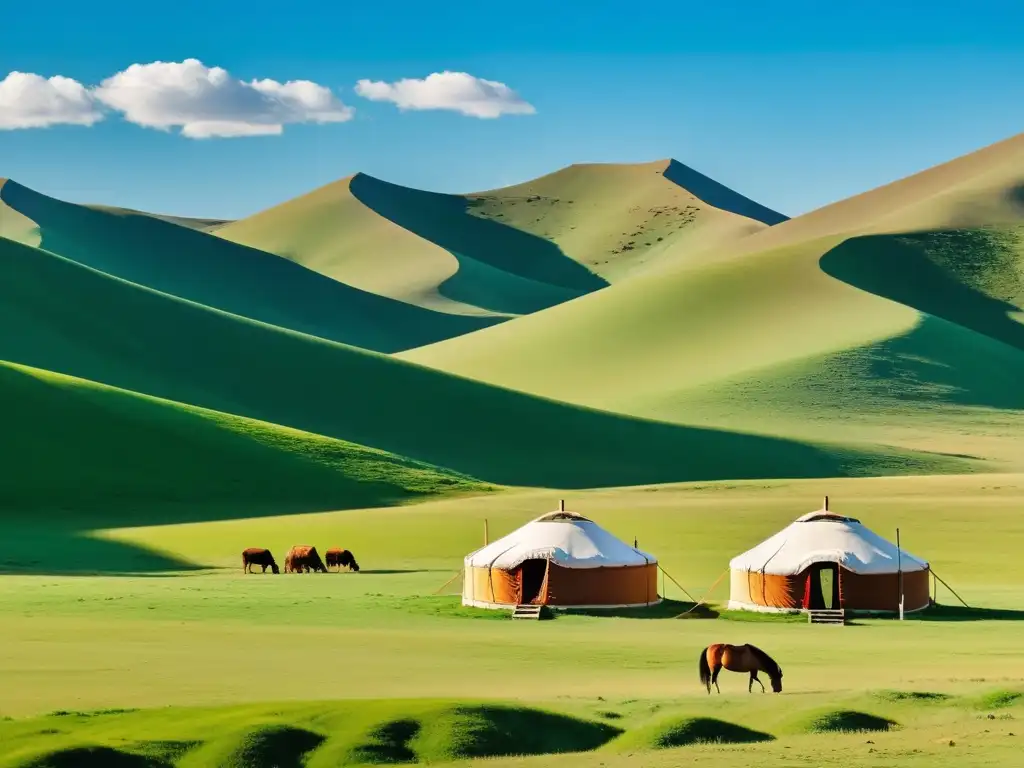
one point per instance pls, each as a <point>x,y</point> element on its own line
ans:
<point>766,589</point>
<point>857,592</point>
<point>492,585</point>
<point>626,585</point>
<point>880,592</point>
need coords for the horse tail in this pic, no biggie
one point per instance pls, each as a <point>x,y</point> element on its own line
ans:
<point>705,668</point>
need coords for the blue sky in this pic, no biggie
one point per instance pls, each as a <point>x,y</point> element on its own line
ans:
<point>795,104</point>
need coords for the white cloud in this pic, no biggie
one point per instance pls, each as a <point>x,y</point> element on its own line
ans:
<point>456,91</point>
<point>32,101</point>
<point>207,101</point>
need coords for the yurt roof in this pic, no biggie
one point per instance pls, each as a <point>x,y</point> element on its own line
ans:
<point>566,539</point>
<point>825,537</point>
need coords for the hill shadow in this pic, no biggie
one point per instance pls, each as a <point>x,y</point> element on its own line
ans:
<point>234,278</point>
<point>898,268</point>
<point>709,191</point>
<point>446,221</point>
<point>479,284</point>
<point>62,549</point>
<point>936,363</point>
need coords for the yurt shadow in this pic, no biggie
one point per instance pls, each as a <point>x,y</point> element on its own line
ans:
<point>956,613</point>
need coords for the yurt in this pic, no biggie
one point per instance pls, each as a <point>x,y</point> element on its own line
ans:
<point>562,560</point>
<point>826,561</point>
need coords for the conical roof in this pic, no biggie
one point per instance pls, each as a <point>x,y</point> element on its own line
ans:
<point>566,539</point>
<point>825,537</point>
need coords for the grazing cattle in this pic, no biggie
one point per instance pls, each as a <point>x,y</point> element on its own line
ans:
<point>302,559</point>
<point>258,556</point>
<point>341,557</point>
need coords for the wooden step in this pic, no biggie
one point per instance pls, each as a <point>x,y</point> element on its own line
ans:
<point>834,617</point>
<point>527,612</point>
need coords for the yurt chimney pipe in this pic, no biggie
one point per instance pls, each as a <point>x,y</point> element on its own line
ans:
<point>826,503</point>
<point>561,505</point>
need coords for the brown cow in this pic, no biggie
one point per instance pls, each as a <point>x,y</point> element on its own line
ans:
<point>303,558</point>
<point>258,556</point>
<point>341,557</point>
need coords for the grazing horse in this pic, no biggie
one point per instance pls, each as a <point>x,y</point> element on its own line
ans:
<point>341,557</point>
<point>258,556</point>
<point>302,559</point>
<point>738,658</point>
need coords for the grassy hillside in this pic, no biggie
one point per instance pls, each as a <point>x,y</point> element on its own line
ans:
<point>83,455</point>
<point>620,219</point>
<point>509,251</point>
<point>807,301</point>
<point>245,281</point>
<point>81,445</point>
<point>60,316</point>
<point>15,226</point>
<point>331,231</point>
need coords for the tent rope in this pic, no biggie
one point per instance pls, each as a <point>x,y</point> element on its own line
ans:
<point>453,578</point>
<point>675,582</point>
<point>701,601</point>
<point>949,588</point>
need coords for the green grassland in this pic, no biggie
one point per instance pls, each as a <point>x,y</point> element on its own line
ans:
<point>259,651</point>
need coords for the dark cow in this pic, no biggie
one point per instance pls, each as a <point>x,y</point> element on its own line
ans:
<point>302,559</point>
<point>340,558</point>
<point>258,556</point>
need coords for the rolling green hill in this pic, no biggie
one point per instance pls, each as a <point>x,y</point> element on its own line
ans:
<point>81,445</point>
<point>202,268</point>
<point>60,316</point>
<point>508,251</point>
<point>897,313</point>
<point>619,219</point>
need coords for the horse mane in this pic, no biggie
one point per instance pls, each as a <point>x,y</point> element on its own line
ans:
<point>770,665</point>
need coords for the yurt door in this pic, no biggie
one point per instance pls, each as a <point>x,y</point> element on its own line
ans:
<point>826,582</point>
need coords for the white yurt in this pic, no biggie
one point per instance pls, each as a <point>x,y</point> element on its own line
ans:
<point>823,560</point>
<point>562,560</point>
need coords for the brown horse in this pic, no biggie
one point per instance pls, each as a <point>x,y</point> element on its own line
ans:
<point>258,556</point>
<point>341,557</point>
<point>303,558</point>
<point>738,658</point>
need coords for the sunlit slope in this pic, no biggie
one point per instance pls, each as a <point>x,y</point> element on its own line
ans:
<point>14,225</point>
<point>76,444</point>
<point>350,238</point>
<point>206,269</point>
<point>619,219</point>
<point>979,189</point>
<point>654,344</point>
<point>60,316</point>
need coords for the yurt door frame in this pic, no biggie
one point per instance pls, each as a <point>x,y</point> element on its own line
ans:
<point>821,589</point>
<point>532,574</point>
